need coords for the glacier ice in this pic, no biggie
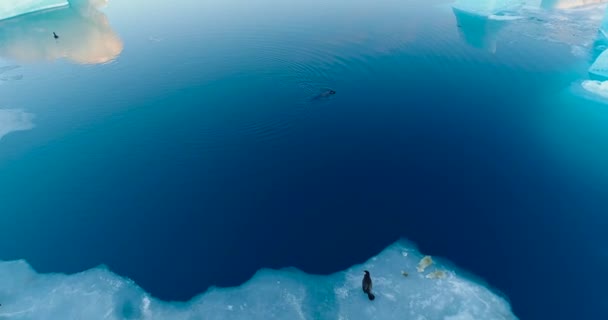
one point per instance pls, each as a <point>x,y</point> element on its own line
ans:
<point>439,293</point>
<point>14,120</point>
<point>13,8</point>
<point>85,35</point>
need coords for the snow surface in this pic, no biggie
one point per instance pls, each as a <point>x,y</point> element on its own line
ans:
<point>438,292</point>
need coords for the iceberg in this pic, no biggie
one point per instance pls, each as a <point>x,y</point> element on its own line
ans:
<point>567,4</point>
<point>438,293</point>
<point>14,8</point>
<point>478,31</point>
<point>599,68</point>
<point>487,8</point>
<point>571,22</point>
<point>14,120</point>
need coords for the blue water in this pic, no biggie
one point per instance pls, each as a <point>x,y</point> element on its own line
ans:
<point>183,146</point>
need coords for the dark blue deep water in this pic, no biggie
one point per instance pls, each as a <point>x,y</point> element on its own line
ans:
<point>180,144</point>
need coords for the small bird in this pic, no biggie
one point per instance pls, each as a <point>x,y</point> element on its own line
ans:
<point>367,285</point>
<point>55,35</point>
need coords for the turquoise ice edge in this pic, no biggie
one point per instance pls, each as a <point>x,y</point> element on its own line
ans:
<point>407,285</point>
<point>16,8</point>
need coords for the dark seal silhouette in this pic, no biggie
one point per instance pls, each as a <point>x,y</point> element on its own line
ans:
<point>324,94</point>
<point>367,285</point>
<point>55,35</point>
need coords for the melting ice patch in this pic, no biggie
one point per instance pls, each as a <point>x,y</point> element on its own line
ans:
<point>14,120</point>
<point>437,293</point>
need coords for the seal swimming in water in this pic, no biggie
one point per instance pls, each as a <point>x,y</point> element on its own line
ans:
<point>325,94</point>
<point>367,285</point>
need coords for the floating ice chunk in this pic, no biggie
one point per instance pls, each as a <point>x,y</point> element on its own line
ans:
<point>491,8</point>
<point>487,7</point>
<point>424,263</point>
<point>599,88</point>
<point>599,68</point>
<point>14,120</point>
<point>13,8</point>
<point>270,294</point>
<point>567,4</point>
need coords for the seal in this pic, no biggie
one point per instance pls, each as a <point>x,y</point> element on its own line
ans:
<point>325,94</point>
<point>367,285</point>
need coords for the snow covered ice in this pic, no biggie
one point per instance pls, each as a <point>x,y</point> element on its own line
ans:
<point>440,292</point>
